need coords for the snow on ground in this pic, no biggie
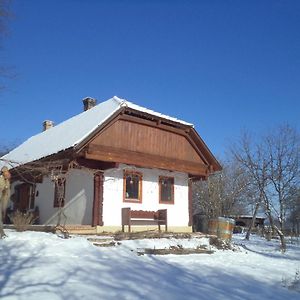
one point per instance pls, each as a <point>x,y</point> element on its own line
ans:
<point>43,266</point>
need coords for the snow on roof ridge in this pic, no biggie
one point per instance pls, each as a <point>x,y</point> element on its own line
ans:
<point>126,103</point>
<point>88,97</point>
<point>67,134</point>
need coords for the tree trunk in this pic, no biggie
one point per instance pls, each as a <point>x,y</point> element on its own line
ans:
<point>282,239</point>
<point>252,222</point>
<point>2,233</point>
<point>279,232</point>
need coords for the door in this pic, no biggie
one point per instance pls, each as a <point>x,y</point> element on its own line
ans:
<point>98,200</point>
<point>23,193</point>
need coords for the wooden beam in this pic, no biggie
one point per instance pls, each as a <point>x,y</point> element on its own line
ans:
<point>148,116</point>
<point>144,160</point>
<point>30,176</point>
<point>205,151</point>
<point>190,203</point>
<point>96,164</point>
<point>155,123</point>
<point>98,200</point>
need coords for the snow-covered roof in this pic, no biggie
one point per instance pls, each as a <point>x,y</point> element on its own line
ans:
<point>71,132</point>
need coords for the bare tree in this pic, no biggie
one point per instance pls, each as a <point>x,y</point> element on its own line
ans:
<point>252,158</point>
<point>236,188</point>
<point>222,194</point>
<point>31,173</point>
<point>294,210</point>
<point>207,200</point>
<point>5,14</point>
<point>283,149</point>
<point>4,195</point>
<point>272,164</point>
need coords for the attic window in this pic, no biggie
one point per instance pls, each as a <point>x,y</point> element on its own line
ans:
<point>132,190</point>
<point>166,190</point>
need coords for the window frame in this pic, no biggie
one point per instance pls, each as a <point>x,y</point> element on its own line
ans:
<point>140,186</point>
<point>55,201</point>
<point>160,180</point>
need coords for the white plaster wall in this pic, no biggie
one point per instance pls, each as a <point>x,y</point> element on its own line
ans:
<point>78,199</point>
<point>178,214</point>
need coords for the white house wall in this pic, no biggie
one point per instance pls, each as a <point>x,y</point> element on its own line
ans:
<point>80,190</point>
<point>78,199</point>
<point>178,214</point>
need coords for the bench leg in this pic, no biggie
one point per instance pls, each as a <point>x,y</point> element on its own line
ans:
<point>123,228</point>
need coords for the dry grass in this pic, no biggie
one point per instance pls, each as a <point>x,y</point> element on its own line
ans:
<point>21,221</point>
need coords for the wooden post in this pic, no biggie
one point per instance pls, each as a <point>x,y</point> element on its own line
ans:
<point>98,200</point>
<point>190,199</point>
<point>126,218</point>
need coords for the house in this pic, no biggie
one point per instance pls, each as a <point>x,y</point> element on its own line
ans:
<point>112,155</point>
<point>246,220</point>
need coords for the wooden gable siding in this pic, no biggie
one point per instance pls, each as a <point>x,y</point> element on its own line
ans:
<point>145,139</point>
<point>147,144</point>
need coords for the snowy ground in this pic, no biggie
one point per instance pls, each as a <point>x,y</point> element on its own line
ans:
<point>43,266</point>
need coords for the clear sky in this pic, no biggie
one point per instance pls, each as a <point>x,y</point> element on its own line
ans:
<point>222,65</point>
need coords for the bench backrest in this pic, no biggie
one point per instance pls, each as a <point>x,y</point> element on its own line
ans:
<point>142,214</point>
<point>127,214</point>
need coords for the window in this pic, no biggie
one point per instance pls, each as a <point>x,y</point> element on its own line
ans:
<point>132,187</point>
<point>166,190</point>
<point>59,193</point>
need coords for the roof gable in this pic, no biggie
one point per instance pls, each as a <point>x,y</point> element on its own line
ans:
<point>71,132</point>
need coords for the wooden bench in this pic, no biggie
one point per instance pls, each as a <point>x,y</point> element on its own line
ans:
<point>141,217</point>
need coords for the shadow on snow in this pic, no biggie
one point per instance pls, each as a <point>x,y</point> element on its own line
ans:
<point>113,274</point>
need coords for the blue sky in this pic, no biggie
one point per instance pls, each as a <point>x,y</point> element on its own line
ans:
<point>224,66</point>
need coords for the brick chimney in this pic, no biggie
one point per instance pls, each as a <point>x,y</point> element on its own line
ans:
<point>47,124</point>
<point>88,103</point>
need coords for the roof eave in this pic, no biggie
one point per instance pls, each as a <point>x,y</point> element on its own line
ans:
<point>216,166</point>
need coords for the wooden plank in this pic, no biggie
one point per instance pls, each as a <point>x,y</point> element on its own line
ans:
<point>140,217</point>
<point>143,222</point>
<point>155,123</point>
<point>98,200</point>
<point>190,205</point>
<point>144,160</point>
<point>95,164</point>
<point>205,151</point>
<point>174,251</point>
<point>154,140</point>
<point>143,214</point>
<point>182,130</point>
